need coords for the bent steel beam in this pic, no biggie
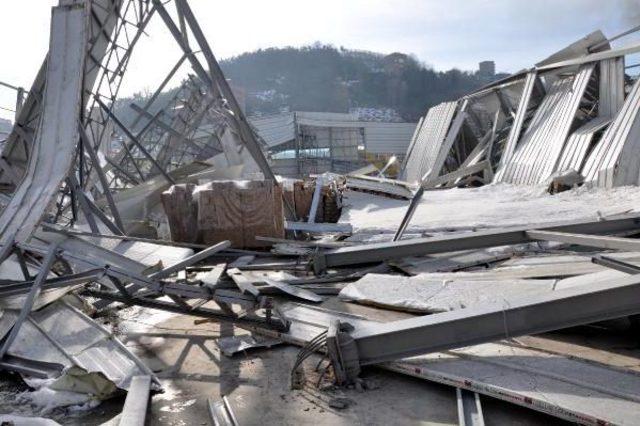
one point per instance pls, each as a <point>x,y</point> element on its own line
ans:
<point>596,241</point>
<point>380,342</point>
<point>371,253</point>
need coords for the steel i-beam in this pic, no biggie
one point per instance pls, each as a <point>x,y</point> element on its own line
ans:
<point>373,343</point>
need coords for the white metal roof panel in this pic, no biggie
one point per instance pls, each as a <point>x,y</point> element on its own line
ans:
<point>276,129</point>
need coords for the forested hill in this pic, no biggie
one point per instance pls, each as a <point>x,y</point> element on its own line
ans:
<point>323,78</point>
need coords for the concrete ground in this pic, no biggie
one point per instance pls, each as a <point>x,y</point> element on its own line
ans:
<point>257,384</point>
<point>191,368</point>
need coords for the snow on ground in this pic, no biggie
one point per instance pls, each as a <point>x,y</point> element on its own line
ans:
<point>485,207</point>
<point>45,399</point>
<point>17,420</point>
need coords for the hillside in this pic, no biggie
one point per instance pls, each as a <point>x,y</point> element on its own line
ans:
<point>323,78</point>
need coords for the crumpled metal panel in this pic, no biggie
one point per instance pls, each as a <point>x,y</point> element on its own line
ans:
<point>61,334</point>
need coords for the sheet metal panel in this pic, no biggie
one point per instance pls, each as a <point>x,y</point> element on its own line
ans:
<point>388,138</point>
<point>614,161</point>
<point>562,386</point>
<point>57,135</point>
<point>611,96</point>
<point>516,128</point>
<point>577,146</point>
<point>429,141</point>
<point>61,334</point>
<point>537,155</point>
<point>16,150</point>
<point>325,119</point>
<point>275,130</point>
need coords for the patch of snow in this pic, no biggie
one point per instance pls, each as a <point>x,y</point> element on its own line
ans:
<point>16,420</point>
<point>139,319</point>
<point>178,407</point>
<point>170,392</point>
<point>45,399</point>
<point>498,205</point>
<point>428,293</point>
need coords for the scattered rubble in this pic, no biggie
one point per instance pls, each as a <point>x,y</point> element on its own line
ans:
<point>515,213</point>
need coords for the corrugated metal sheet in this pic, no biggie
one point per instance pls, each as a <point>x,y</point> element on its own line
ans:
<point>276,129</point>
<point>380,138</point>
<point>538,152</point>
<point>614,161</point>
<point>388,138</point>
<point>325,119</point>
<point>61,334</point>
<point>429,141</point>
<point>518,122</point>
<point>611,96</point>
<point>52,154</point>
<point>575,151</point>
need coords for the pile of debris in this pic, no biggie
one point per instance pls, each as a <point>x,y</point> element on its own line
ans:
<point>194,222</point>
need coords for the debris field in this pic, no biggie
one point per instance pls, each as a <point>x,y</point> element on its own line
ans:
<point>181,279</point>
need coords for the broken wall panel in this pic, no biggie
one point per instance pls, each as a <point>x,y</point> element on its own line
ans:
<point>60,334</point>
<point>518,123</point>
<point>538,152</point>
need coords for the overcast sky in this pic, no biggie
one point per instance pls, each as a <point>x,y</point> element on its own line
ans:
<point>442,33</point>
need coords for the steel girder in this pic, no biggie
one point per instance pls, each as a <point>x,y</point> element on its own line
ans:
<point>378,252</point>
<point>376,343</point>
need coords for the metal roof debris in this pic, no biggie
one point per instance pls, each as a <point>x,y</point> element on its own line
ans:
<point>83,223</point>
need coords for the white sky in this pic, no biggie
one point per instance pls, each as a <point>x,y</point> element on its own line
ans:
<point>441,33</point>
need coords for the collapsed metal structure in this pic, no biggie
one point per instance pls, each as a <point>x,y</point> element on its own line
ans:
<point>567,113</point>
<point>66,224</point>
<point>56,174</point>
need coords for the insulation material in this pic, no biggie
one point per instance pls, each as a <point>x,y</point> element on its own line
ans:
<point>540,146</point>
<point>489,206</point>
